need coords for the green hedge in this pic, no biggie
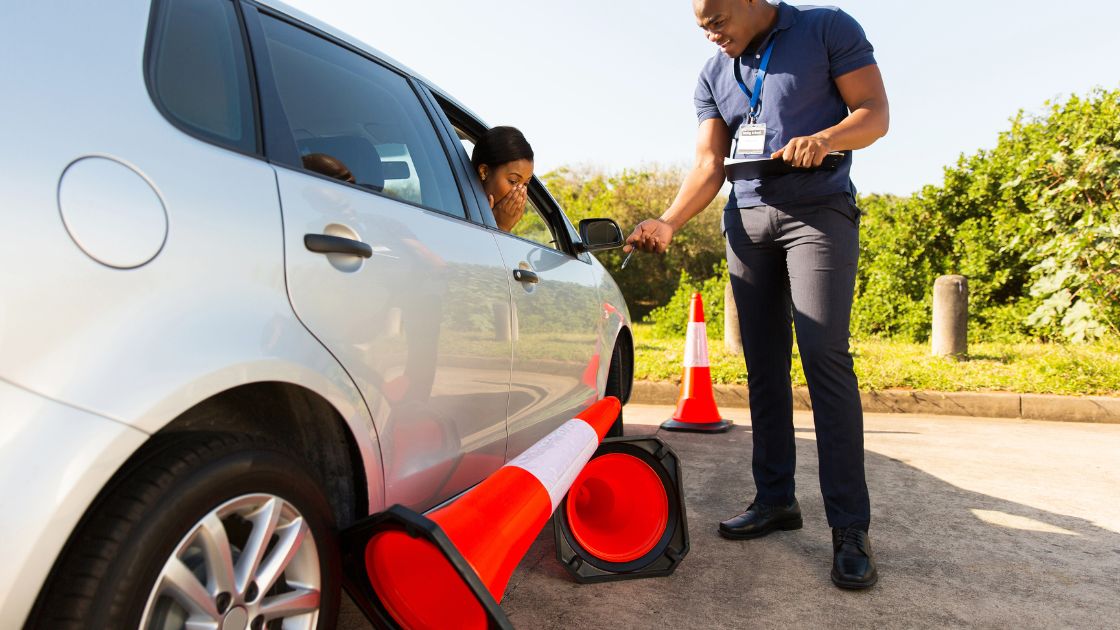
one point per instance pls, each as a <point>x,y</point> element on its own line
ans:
<point>630,197</point>
<point>1033,223</point>
<point>672,318</point>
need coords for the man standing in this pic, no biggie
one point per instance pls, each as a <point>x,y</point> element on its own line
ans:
<point>795,84</point>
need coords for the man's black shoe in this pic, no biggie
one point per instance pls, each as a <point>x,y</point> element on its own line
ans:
<point>760,519</point>
<point>852,563</point>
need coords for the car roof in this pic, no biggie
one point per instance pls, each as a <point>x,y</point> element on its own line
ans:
<point>340,35</point>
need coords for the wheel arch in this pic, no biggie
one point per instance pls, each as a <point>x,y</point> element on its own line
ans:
<point>301,420</point>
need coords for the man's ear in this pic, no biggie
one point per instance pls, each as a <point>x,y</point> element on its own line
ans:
<point>483,171</point>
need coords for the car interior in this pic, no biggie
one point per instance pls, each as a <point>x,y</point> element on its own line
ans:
<point>336,105</point>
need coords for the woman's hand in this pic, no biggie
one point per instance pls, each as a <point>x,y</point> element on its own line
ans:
<point>651,235</point>
<point>509,209</point>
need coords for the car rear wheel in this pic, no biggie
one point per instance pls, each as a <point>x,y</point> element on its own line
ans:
<point>201,531</point>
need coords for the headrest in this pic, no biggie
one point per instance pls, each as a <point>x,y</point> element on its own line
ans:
<point>357,153</point>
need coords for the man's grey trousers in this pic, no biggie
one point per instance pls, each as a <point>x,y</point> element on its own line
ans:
<point>797,263</point>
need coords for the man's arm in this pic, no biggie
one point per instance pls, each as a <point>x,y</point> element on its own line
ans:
<point>700,186</point>
<point>866,97</point>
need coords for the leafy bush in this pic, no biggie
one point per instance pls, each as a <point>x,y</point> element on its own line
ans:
<point>672,318</point>
<point>630,197</point>
<point>1032,223</point>
<point>1077,237</point>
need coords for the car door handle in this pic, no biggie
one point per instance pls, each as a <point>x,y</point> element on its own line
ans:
<point>524,275</point>
<point>327,244</point>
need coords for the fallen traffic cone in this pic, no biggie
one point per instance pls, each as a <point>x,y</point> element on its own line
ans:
<point>449,569</point>
<point>624,516</point>
<point>696,407</point>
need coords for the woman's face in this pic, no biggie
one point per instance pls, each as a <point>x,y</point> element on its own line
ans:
<point>498,181</point>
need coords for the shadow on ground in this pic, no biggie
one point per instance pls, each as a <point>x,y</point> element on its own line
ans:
<point>947,557</point>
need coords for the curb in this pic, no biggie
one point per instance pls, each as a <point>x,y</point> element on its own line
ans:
<point>1099,409</point>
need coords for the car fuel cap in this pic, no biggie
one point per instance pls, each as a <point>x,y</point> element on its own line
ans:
<point>112,212</point>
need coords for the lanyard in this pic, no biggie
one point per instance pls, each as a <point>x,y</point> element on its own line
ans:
<point>756,97</point>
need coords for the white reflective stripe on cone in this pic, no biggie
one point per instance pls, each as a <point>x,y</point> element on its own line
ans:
<point>557,459</point>
<point>696,345</point>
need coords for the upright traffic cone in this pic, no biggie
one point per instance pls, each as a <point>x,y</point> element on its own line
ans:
<point>696,407</point>
<point>450,568</point>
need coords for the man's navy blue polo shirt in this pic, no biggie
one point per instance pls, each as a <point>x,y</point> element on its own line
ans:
<point>814,45</point>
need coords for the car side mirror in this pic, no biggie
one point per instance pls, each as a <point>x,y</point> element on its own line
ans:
<point>599,234</point>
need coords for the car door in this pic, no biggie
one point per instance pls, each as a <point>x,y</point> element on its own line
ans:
<point>556,321</point>
<point>384,264</point>
<point>555,316</point>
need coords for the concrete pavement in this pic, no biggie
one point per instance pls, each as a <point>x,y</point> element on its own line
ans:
<point>976,522</point>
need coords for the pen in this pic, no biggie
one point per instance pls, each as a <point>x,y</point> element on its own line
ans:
<point>627,259</point>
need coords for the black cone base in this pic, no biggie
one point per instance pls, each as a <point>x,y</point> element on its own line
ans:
<point>669,550</point>
<point>355,579</point>
<point>697,427</point>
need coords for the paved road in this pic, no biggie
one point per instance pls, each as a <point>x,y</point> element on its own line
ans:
<point>984,523</point>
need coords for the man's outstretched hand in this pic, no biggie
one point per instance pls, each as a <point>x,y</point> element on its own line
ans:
<point>651,235</point>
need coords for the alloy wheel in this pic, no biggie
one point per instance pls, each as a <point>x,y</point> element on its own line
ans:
<point>249,564</point>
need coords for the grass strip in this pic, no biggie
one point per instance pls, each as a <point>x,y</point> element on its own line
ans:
<point>1023,368</point>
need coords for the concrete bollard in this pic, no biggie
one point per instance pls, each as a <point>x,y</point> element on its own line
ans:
<point>950,316</point>
<point>732,338</point>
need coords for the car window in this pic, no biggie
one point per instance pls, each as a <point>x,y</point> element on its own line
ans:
<point>198,71</point>
<point>468,144</point>
<point>357,121</point>
<point>534,225</point>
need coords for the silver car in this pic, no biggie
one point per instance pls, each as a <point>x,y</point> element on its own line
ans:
<point>212,357</point>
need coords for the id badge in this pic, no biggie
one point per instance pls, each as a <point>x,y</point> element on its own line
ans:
<point>751,139</point>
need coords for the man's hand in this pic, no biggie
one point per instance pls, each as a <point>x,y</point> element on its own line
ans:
<point>804,152</point>
<point>700,186</point>
<point>509,209</point>
<point>651,235</point>
<point>866,98</point>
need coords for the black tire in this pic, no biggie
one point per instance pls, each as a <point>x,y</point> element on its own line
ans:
<point>109,568</point>
<point>618,384</point>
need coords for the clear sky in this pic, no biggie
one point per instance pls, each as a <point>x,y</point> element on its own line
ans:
<point>609,82</point>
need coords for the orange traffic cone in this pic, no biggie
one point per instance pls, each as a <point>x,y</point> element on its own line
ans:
<point>696,407</point>
<point>450,568</point>
<point>624,516</point>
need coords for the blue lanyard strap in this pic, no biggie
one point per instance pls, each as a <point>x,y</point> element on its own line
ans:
<point>756,96</point>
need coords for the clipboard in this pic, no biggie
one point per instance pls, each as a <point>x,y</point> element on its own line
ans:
<point>756,168</point>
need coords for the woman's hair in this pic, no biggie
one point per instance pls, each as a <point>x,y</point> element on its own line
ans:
<point>500,145</point>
